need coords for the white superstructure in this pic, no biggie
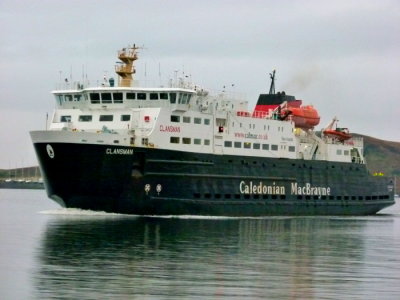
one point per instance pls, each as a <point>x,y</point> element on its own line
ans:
<point>185,118</point>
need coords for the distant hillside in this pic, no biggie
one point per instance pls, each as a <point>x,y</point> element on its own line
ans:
<point>381,156</point>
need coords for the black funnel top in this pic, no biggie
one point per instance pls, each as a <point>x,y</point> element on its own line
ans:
<point>274,99</point>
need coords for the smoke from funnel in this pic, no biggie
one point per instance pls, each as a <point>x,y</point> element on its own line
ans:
<point>302,79</point>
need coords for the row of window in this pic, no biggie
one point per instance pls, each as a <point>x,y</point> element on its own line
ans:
<point>109,118</point>
<point>69,98</point>
<point>283,197</point>
<point>89,118</point>
<point>228,144</point>
<point>257,146</point>
<point>262,164</point>
<point>106,98</point>
<point>188,141</point>
<point>118,97</point>
<point>185,119</point>
<point>345,152</point>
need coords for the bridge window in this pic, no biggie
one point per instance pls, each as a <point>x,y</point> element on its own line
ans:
<point>77,97</point>
<point>184,98</point>
<point>180,98</point>
<point>65,119</point>
<point>141,96</point>
<point>106,98</point>
<point>68,97</point>
<point>60,99</point>
<point>130,96</point>
<point>85,118</point>
<point>117,97</point>
<point>172,98</point>
<point>164,96</point>
<point>125,117</point>
<point>175,119</point>
<point>106,118</point>
<point>153,96</point>
<point>94,98</point>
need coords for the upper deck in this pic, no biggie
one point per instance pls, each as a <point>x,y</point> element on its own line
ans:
<point>119,97</point>
<point>185,117</point>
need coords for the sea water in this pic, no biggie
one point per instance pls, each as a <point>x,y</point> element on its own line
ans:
<point>47,252</point>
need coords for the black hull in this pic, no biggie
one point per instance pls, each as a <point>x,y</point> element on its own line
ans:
<point>162,182</point>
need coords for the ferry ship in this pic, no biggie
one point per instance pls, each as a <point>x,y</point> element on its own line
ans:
<point>180,150</point>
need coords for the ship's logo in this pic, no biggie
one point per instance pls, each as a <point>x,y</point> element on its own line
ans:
<point>158,188</point>
<point>147,188</point>
<point>50,151</point>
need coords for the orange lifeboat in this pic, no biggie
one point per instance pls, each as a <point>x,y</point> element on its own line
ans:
<point>305,117</point>
<point>341,134</point>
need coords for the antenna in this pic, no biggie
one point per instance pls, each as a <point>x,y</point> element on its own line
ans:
<point>159,72</point>
<point>272,86</point>
<point>176,77</point>
<point>83,74</point>
<point>145,73</point>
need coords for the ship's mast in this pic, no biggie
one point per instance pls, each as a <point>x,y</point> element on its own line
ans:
<point>272,86</point>
<point>126,68</point>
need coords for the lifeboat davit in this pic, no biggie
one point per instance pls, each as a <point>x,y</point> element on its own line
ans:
<point>341,134</point>
<point>305,117</point>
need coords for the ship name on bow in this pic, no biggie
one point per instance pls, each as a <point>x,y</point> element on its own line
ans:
<point>261,188</point>
<point>169,128</point>
<point>274,189</point>
<point>119,151</point>
<point>308,189</point>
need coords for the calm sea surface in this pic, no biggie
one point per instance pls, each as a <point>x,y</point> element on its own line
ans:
<point>51,253</point>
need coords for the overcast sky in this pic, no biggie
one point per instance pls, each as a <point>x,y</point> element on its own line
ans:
<point>341,56</point>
